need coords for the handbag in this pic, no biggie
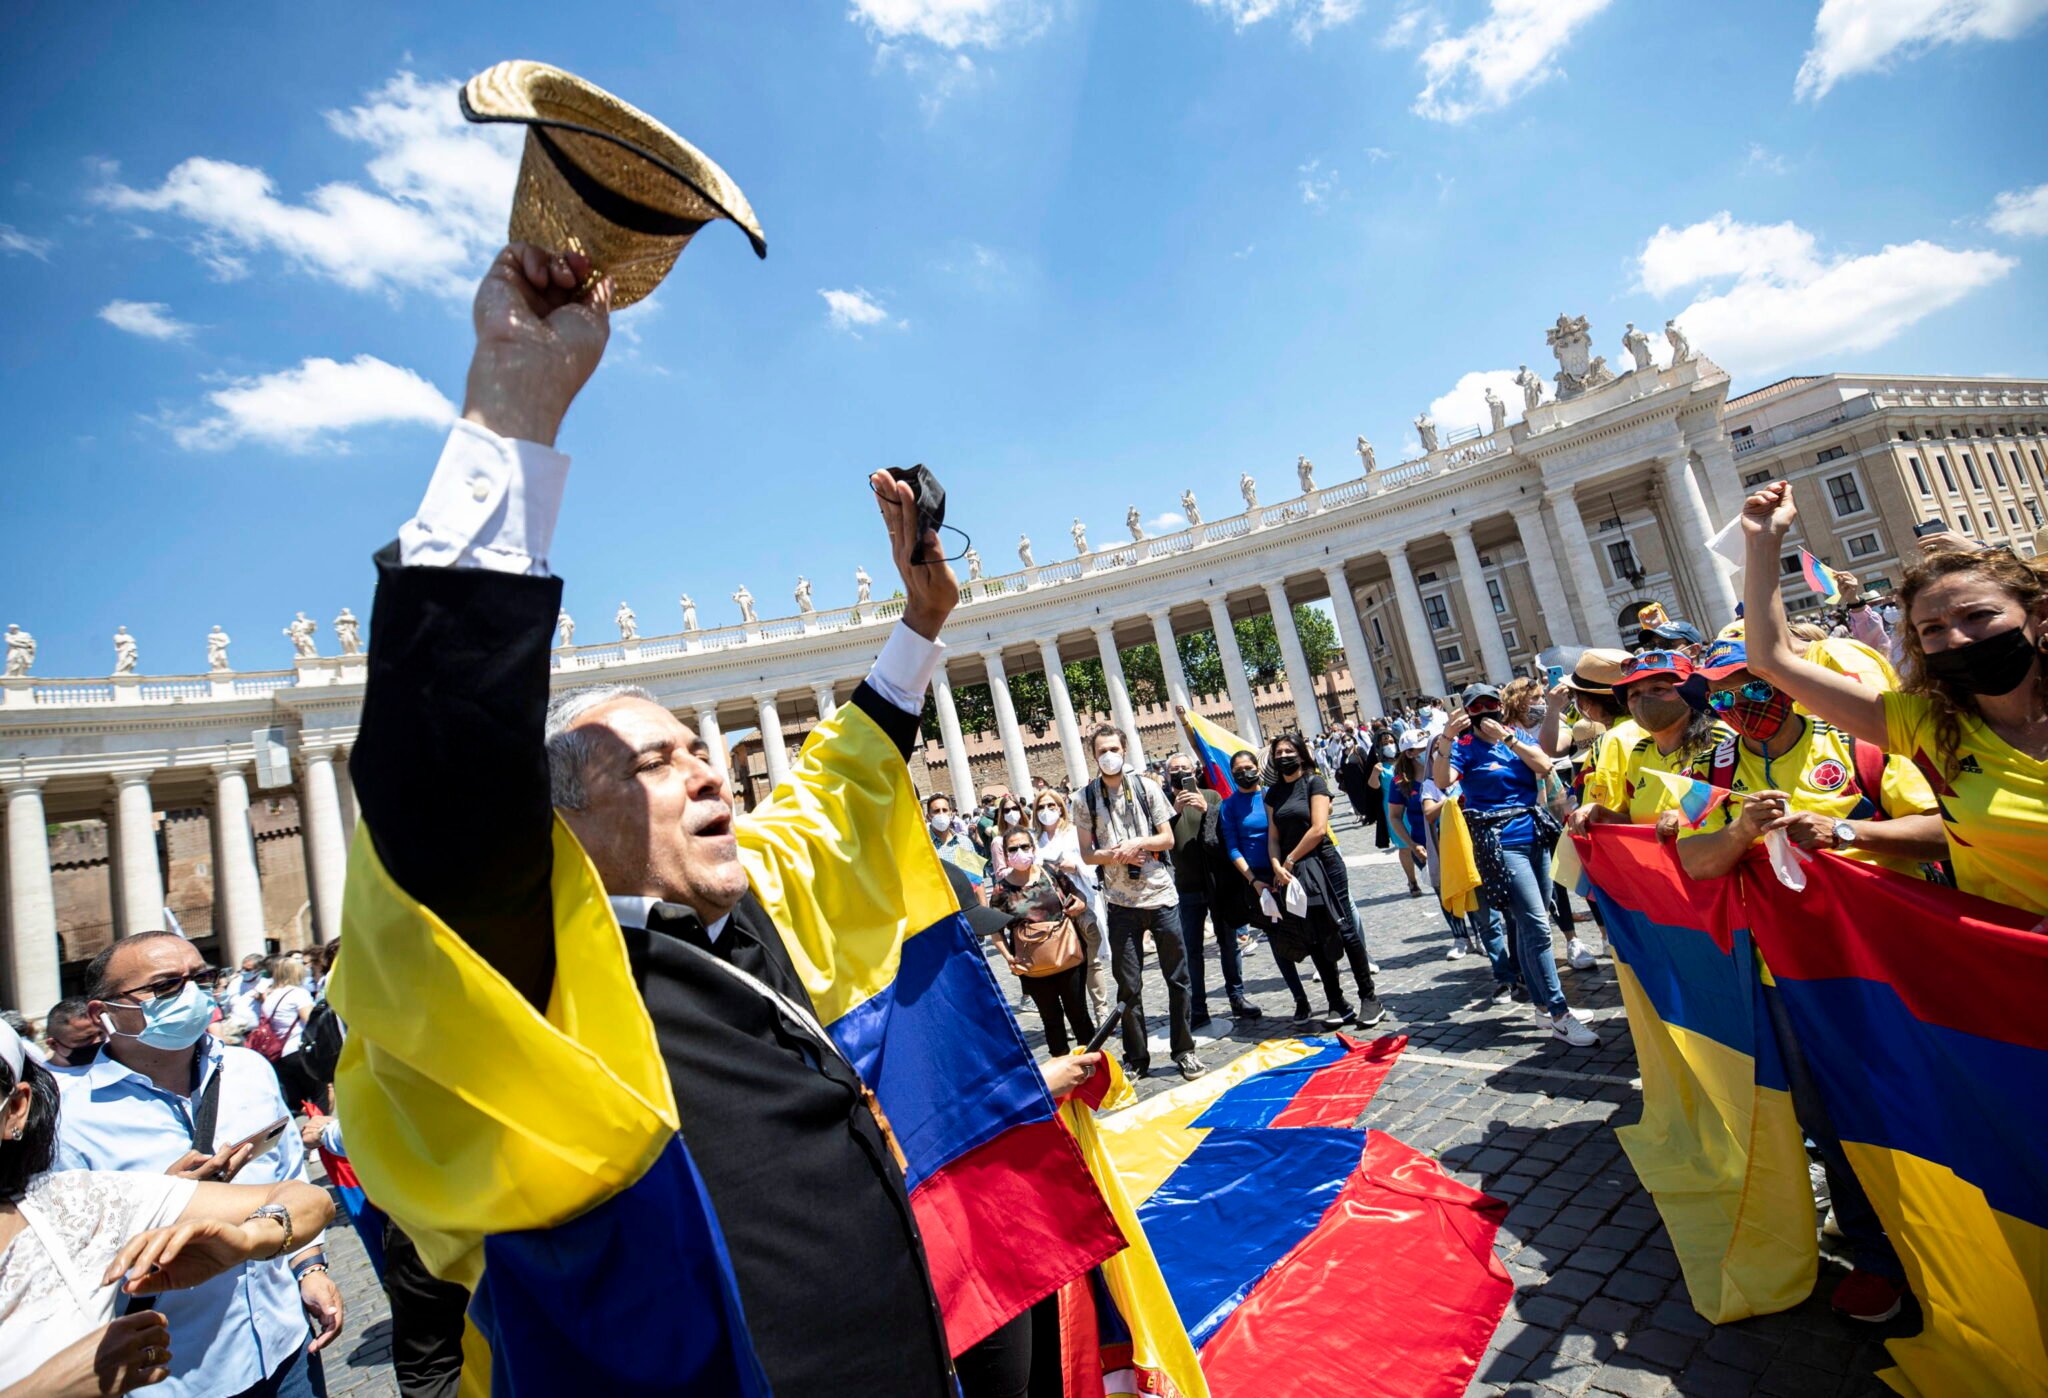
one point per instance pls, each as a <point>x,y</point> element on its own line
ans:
<point>1045,948</point>
<point>264,1038</point>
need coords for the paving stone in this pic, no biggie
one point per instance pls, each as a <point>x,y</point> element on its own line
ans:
<point>1632,1380</point>
<point>1733,1347</point>
<point>1607,1314</point>
<point>1680,1318</point>
<point>1551,1312</point>
<point>1616,1235</point>
<point>1560,1235</point>
<point>1784,1379</point>
<point>1580,1215</point>
<point>1573,1285</point>
<point>1637,1287</point>
<point>1661,1347</point>
<point>1601,1260</point>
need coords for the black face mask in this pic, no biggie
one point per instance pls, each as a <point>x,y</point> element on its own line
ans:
<point>1246,781</point>
<point>1288,765</point>
<point>1994,665</point>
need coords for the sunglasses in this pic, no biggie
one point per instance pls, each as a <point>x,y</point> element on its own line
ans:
<point>1748,692</point>
<point>164,986</point>
<point>1658,660</point>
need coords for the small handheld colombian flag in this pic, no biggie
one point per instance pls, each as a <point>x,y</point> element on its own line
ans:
<point>1696,800</point>
<point>1214,747</point>
<point>1820,578</point>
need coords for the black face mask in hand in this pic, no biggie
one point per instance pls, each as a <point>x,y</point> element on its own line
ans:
<point>1994,665</point>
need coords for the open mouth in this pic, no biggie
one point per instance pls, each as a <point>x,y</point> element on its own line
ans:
<point>715,828</point>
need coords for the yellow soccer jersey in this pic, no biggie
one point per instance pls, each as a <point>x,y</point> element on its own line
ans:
<point>1854,659</point>
<point>1606,777</point>
<point>1995,807</point>
<point>1819,774</point>
<point>1648,798</point>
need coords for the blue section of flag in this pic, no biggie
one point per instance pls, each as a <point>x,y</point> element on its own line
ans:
<point>1263,1096</point>
<point>940,1048</point>
<point>1819,577</point>
<point>1236,1206</point>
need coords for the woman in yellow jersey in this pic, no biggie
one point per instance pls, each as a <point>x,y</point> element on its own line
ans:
<point>1973,712</point>
<point>1675,733</point>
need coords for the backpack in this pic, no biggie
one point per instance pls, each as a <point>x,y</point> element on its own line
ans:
<point>264,1038</point>
<point>1146,790</point>
<point>320,1043</point>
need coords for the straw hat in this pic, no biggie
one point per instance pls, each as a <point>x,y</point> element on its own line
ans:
<point>603,178</point>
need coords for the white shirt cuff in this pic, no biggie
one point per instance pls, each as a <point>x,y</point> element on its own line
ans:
<point>904,669</point>
<point>492,503</point>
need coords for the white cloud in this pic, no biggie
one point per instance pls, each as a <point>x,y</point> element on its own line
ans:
<point>1306,18</point>
<point>312,405</point>
<point>1168,522</point>
<point>1763,158</point>
<point>1499,58</point>
<point>16,243</point>
<point>1465,405</point>
<point>1862,36</point>
<point>1786,305</point>
<point>442,189</point>
<point>953,24</point>
<point>1316,183</point>
<point>850,310</point>
<point>1246,251</point>
<point>1375,154</point>
<point>2022,213</point>
<point>152,320</point>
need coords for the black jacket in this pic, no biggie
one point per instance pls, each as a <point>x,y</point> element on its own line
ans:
<point>451,779</point>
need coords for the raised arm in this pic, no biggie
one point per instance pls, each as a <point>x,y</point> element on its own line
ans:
<point>449,767</point>
<point>1766,518</point>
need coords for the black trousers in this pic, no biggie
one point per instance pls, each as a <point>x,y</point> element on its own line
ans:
<point>1127,960</point>
<point>1021,1360</point>
<point>426,1320</point>
<point>1062,992</point>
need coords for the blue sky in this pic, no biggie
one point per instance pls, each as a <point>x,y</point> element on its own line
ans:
<point>1072,255</point>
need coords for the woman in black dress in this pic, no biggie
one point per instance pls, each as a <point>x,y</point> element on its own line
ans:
<point>1298,837</point>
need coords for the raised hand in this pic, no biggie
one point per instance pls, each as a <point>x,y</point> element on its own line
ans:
<point>186,1254</point>
<point>1769,511</point>
<point>930,589</point>
<point>541,328</point>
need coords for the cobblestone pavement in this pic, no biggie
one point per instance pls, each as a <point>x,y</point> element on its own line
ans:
<point>1599,1306</point>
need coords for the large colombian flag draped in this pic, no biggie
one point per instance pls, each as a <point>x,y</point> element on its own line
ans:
<point>1919,1011</point>
<point>1305,1257</point>
<point>1215,745</point>
<point>1718,1145</point>
<point>537,1155</point>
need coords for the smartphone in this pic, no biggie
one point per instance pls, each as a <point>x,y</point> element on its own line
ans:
<point>264,1141</point>
<point>1184,781</point>
<point>1107,1028</point>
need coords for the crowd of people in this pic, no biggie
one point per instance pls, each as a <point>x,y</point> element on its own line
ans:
<point>148,1148</point>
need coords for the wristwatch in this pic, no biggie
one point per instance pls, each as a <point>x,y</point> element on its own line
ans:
<point>284,1221</point>
<point>1845,833</point>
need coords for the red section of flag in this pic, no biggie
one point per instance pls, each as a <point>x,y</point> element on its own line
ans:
<point>1642,873</point>
<point>1426,1292</point>
<point>1006,1224</point>
<point>1338,1094</point>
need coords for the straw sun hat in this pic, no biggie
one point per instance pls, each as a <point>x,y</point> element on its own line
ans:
<point>603,178</point>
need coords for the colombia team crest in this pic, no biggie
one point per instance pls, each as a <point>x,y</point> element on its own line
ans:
<point>1829,775</point>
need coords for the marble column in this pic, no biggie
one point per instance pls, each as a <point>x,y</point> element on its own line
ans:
<point>1351,632</point>
<point>1581,566</point>
<point>1119,694</point>
<point>1300,683</point>
<point>1015,762</point>
<point>345,788</point>
<point>714,739</point>
<point>773,748</point>
<point>1496,667</point>
<point>1063,712</point>
<point>827,701</point>
<point>1689,524</point>
<point>1243,706</point>
<point>139,880</point>
<point>1169,660</point>
<point>237,891</point>
<point>1428,670</point>
<point>960,775</point>
<point>1555,607</point>
<point>326,850</point>
<point>33,952</point>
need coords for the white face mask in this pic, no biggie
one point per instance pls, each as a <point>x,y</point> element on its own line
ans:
<point>1048,817</point>
<point>1111,763</point>
<point>1013,817</point>
<point>941,824</point>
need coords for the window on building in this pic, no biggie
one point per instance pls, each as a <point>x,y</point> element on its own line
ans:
<point>1789,564</point>
<point>1919,476</point>
<point>1968,526</point>
<point>1450,655</point>
<point>1428,577</point>
<point>1905,436</point>
<point>1831,454</point>
<point>2034,511</point>
<point>1379,635</point>
<point>1970,469</point>
<point>1437,611</point>
<point>1742,431</point>
<point>1864,545</point>
<point>1608,525</point>
<point>1990,522</point>
<point>1948,477</point>
<point>1756,478</point>
<point>1997,468</point>
<point>1846,496</point>
<point>1621,559</point>
<point>1983,432</point>
<point>2013,515</point>
<point>2019,472</point>
<point>1511,639</point>
<point>1500,603</point>
<point>2037,465</point>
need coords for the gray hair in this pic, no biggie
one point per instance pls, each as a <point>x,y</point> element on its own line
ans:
<point>569,749</point>
<point>1182,752</point>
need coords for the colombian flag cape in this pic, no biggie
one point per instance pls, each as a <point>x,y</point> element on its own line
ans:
<point>1215,745</point>
<point>534,1155</point>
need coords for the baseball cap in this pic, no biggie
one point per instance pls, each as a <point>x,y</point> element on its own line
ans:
<point>1657,664</point>
<point>1724,658</point>
<point>1478,690</point>
<point>1414,740</point>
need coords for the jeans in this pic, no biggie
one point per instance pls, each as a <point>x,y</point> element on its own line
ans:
<point>1483,926</point>
<point>1869,1248</point>
<point>298,1377</point>
<point>1195,914</point>
<point>1525,904</point>
<point>1127,963</point>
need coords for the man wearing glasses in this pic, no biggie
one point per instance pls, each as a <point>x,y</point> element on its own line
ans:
<point>166,1097</point>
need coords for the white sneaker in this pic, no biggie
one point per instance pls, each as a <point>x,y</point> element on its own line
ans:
<point>1568,1028</point>
<point>1456,953</point>
<point>1580,955</point>
<point>1372,965</point>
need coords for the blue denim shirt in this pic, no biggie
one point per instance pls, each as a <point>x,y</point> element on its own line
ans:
<point>234,1331</point>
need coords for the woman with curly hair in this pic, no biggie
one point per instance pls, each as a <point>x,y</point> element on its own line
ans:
<point>1972,711</point>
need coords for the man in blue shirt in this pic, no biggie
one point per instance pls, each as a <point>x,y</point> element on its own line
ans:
<point>161,1075</point>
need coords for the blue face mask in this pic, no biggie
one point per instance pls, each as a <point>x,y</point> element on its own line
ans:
<point>174,1023</point>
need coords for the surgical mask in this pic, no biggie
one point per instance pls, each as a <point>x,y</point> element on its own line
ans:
<point>1386,749</point>
<point>1013,817</point>
<point>173,1023</point>
<point>1019,860</point>
<point>1658,715</point>
<point>941,824</point>
<point>1111,763</point>
<point>1049,817</point>
<point>1994,665</point>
